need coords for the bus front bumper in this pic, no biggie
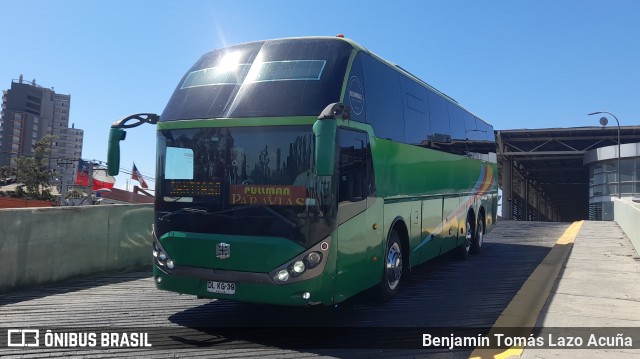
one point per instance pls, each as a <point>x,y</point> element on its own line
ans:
<point>243,286</point>
<point>305,279</point>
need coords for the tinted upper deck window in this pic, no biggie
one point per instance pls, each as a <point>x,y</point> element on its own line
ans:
<point>384,109</point>
<point>292,77</point>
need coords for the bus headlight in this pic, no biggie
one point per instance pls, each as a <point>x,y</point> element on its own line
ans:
<point>283,275</point>
<point>298,267</point>
<point>306,265</point>
<point>313,259</point>
<point>155,250</point>
<point>161,258</point>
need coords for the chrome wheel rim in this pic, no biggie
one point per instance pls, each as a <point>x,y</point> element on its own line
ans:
<point>480,235</point>
<point>394,266</point>
<point>467,237</point>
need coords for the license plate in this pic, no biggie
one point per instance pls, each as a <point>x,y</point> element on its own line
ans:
<point>221,287</point>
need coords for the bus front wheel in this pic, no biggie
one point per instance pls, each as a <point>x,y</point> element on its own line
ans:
<point>392,267</point>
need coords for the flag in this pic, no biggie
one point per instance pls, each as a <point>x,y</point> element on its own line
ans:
<point>82,173</point>
<point>137,176</point>
<point>100,178</point>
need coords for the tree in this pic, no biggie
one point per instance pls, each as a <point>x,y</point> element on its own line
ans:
<point>34,173</point>
<point>7,172</point>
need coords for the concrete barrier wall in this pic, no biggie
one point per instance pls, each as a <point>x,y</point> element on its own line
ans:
<point>10,202</point>
<point>627,215</point>
<point>47,245</point>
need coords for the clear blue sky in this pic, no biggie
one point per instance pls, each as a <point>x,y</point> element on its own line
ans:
<point>516,64</point>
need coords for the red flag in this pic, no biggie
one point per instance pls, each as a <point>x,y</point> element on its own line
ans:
<point>82,174</point>
<point>100,178</point>
<point>136,175</point>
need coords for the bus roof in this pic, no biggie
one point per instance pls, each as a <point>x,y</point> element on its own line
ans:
<point>359,47</point>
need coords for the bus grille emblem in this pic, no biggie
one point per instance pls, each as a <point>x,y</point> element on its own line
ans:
<point>223,250</point>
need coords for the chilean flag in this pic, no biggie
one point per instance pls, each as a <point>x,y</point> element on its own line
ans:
<point>136,175</point>
<point>100,178</point>
<point>82,173</point>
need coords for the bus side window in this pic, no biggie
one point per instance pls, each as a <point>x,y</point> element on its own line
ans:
<point>354,179</point>
<point>384,108</point>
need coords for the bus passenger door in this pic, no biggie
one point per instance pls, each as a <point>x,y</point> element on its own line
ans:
<point>358,211</point>
<point>431,236</point>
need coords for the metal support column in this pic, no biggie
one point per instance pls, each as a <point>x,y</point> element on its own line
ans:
<point>507,189</point>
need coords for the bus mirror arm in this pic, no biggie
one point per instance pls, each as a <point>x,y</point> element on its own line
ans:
<point>334,111</point>
<point>118,134</point>
<point>150,118</point>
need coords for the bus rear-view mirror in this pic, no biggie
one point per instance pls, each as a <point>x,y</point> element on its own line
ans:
<point>325,134</point>
<point>113,153</point>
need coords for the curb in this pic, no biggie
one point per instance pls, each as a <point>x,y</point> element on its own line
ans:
<point>524,309</point>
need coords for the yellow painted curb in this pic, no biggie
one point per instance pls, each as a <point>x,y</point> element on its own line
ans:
<point>524,309</point>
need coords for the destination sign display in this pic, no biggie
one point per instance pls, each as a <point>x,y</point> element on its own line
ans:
<point>182,188</point>
<point>269,195</point>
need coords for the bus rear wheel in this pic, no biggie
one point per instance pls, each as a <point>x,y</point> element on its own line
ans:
<point>464,251</point>
<point>478,238</point>
<point>392,272</point>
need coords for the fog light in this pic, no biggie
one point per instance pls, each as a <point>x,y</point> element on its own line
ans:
<point>283,275</point>
<point>158,280</point>
<point>306,295</point>
<point>313,259</point>
<point>298,267</point>
<point>170,264</point>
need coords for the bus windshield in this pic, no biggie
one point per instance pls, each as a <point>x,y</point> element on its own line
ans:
<point>237,166</point>
<point>214,180</point>
<point>262,79</point>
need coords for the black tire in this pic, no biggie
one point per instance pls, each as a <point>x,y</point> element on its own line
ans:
<point>393,265</point>
<point>478,237</point>
<point>464,251</point>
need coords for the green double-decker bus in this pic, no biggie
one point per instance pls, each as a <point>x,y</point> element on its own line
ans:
<point>302,171</point>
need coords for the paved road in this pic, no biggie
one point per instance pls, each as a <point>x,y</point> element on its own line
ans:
<point>446,293</point>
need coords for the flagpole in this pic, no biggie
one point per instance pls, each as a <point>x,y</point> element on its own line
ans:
<point>90,181</point>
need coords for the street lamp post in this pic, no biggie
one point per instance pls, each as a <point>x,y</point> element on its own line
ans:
<point>603,122</point>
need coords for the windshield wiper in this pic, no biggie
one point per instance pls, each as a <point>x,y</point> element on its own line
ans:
<point>265,207</point>
<point>194,210</point>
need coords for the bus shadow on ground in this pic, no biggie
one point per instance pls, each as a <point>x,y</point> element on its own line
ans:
<point>442,295</point>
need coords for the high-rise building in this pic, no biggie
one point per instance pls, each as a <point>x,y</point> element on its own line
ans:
<point>30,112</point>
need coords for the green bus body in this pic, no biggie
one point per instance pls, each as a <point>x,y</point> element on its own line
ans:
<point>370,185</point>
